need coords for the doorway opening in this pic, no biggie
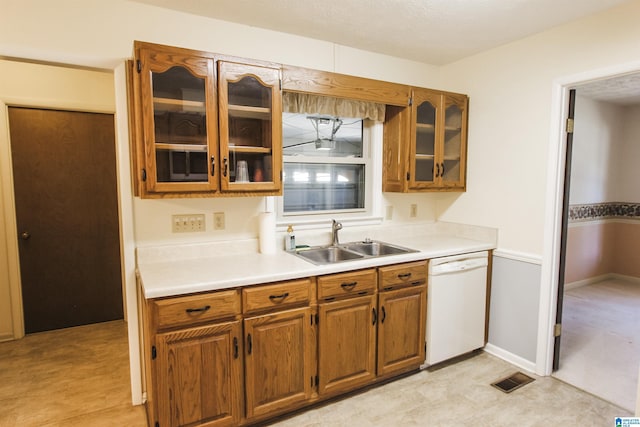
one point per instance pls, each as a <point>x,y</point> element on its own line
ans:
<point>601,346</point>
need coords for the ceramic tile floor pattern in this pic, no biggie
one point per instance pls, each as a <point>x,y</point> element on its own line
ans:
<point>79,377</point>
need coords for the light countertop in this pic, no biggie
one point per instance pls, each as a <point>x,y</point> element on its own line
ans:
<point>163,276</point>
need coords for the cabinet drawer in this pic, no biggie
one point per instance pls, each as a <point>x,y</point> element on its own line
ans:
<point>286,294</point>
<point>346,284</point>
<point>401,275</point>
<point>193,309</point>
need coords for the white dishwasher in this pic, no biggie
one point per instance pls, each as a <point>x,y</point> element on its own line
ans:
<point>456,305</point>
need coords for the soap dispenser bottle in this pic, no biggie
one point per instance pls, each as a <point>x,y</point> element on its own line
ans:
<point>290,240</point>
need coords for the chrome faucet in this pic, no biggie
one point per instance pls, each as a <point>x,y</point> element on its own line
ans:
<point>335,227</point>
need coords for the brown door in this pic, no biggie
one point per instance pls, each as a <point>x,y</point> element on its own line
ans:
<point>64,172</point>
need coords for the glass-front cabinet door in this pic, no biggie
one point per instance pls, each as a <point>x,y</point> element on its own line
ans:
<point>424,166</point>
<point>452,161</point>
<point>179,116</point>
<point>250,107</point>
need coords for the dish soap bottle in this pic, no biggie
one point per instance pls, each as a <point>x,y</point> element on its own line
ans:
<point>290,240</point>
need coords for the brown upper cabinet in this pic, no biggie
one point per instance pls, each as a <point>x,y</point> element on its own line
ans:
<point>205,124</point>
<point>425,144</point>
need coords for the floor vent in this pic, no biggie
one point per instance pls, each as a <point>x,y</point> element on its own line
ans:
<point>512,382</point>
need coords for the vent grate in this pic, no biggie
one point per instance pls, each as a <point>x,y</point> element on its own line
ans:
<point>512,382</point>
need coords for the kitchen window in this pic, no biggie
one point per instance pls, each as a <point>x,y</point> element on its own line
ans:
<point>328,168</point>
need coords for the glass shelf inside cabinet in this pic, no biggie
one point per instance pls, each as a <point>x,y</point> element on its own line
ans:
<point>180,126</point>
<point>250,122</point>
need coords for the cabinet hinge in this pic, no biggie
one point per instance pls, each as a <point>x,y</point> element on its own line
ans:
<point>557,329</point>
<point>425,347</point>
<point>410,101</point>
<point>154,353</point>
<point>317,381</point>
<point>408,176</point>
<point>144,175</point>
<point>280,84</point>
<point>139,66</point>
<point>570,124</point>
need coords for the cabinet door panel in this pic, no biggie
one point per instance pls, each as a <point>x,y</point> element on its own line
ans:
<point>278,361</point>
<point>401,329</point>
<point>200,376</point>
<point>424,168</point>
<point>454,141</point>
<point>347,344</point>
<point>180,121</point>
<point>250,105</point>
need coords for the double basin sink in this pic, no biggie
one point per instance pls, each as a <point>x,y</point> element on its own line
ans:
<point>322,255</point>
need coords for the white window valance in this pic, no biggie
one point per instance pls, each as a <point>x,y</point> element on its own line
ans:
<point>304,103</point>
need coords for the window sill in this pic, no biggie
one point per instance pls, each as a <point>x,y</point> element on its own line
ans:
<point>325,223</point>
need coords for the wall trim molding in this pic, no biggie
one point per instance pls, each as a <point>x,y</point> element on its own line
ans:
<point>518,256</point>
<point>507,356</point>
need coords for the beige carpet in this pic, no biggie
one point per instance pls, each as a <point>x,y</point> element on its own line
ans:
<point>600,347</point>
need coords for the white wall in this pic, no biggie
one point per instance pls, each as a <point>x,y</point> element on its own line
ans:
<point>598,139</point>
<point>510,91</point>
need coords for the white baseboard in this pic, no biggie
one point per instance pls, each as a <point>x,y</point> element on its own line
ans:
<point>510,357</point>
<point>601,278</point>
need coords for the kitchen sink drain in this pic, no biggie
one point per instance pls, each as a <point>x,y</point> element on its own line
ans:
<point>512,382</point>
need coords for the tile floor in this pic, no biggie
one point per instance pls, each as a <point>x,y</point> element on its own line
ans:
<point>80,377</point>
<point>70,377</point>
<point>600,346</point>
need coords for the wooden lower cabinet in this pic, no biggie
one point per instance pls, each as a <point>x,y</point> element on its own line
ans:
<point>347,344</point>
<point>242,356</point>
<point>401,329</point>
<point>199,373</point>
<point>278,361</point>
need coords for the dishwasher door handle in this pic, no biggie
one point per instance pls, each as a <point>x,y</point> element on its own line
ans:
<point>457,266</point>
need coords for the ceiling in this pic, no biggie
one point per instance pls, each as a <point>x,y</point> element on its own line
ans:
<point>435,32</point>
<point>621,90</point>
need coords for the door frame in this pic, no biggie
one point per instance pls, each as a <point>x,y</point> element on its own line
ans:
<point>553,212</point>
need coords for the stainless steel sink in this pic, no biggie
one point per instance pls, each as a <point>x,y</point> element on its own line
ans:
<point>375,249</point>
<point>328,255</point>
<point>321,255</point>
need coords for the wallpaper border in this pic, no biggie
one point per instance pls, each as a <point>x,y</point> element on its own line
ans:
<point>594,211</point>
